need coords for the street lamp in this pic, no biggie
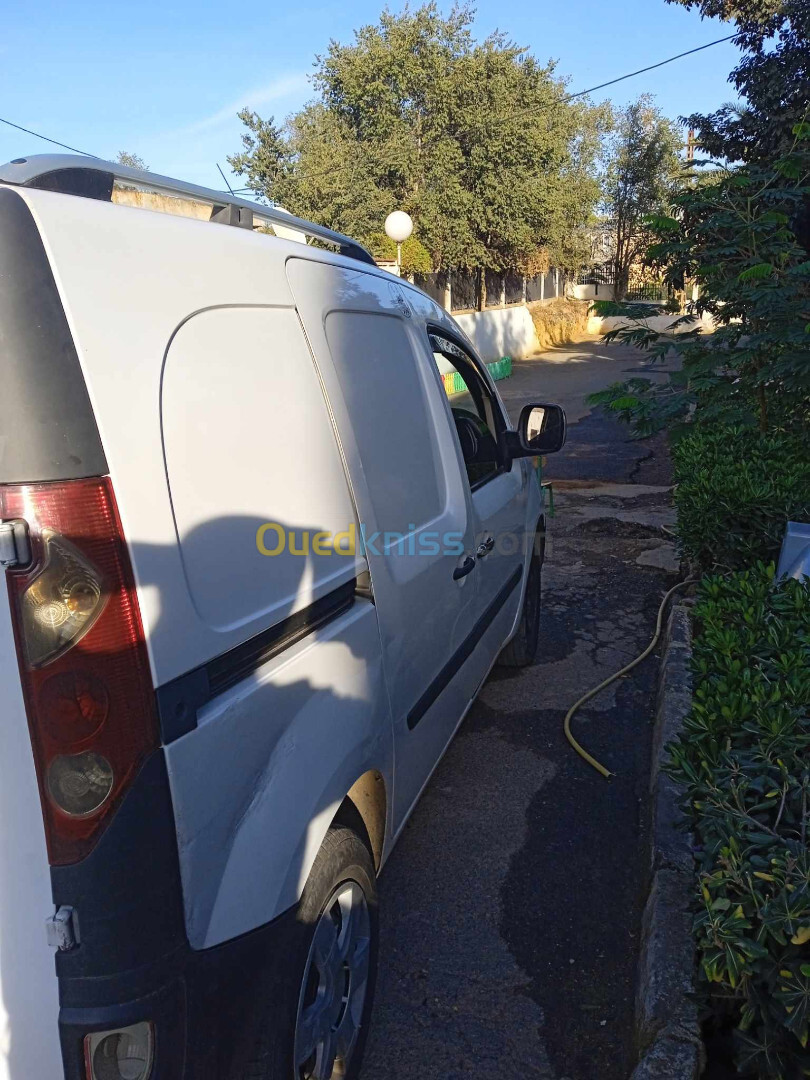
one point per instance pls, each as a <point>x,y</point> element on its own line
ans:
<point>398,227</point>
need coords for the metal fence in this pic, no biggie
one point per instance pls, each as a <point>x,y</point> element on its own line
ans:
<point>463,290</point>
<point>641,288</point>
<point>457,290</point>
<point>435,285</point>
<point>655,291</point>
<point>546,286</point>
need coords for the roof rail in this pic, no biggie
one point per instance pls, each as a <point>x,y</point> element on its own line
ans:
<point>95,178</point>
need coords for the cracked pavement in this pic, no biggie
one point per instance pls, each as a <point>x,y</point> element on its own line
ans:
<point>511,906</point>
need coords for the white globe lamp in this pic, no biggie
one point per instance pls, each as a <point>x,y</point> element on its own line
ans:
<point>398,226</point>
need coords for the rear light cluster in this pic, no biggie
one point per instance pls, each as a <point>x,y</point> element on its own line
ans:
<point>82,657</point>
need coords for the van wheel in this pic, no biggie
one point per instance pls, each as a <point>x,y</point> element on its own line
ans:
<point>522,649</point>
<point>332,962</point>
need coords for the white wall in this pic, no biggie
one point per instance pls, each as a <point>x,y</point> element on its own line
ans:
<point>591,292</point>
<point>597,325</point>
<point>501,332</point>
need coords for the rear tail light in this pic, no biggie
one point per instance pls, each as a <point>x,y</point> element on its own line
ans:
<point>61,603</point>
<point>82,657</point>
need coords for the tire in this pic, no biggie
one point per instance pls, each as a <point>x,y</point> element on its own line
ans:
<point>316,974</point>
<point>522,649</point>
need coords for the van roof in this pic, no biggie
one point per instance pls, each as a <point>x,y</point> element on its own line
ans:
<point>89,177</point>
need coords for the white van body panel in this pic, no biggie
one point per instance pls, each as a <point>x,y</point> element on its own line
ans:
<point>29,992</point>
<point>257,784</point>
<point>249,444</point>
<point>109,262</point>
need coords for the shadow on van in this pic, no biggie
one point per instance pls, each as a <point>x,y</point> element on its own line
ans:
<point>255,784</point>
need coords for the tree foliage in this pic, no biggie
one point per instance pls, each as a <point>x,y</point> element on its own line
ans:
<point>474,139</point>
<point>132,161</point>
<point>642,167</point>
<point>415,256</point>
<point>773,78</point>
<point>733,235</point>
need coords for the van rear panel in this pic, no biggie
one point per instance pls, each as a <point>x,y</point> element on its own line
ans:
<point>47,433</point>
<point>29,996</point>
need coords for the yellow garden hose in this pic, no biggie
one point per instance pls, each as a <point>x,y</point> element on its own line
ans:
<point>583,753</point>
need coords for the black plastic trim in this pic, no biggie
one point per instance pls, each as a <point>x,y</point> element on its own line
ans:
<point>47,427</point>
<point>135,963</point>
<point>178,701</point>
<point>128,896</point>
<point>464,651</point>
<point>213,1018</point>
<point>87,183</point>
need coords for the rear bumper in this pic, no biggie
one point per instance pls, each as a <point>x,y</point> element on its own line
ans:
<point>165,1008</point>
<point>211,1021</point>
<point>211,1009</point>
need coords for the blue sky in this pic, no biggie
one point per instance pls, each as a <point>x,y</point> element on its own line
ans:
<point>166,80</point>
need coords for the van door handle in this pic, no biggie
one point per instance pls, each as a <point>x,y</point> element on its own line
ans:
<point>466,568</point>
<point>485,547</point>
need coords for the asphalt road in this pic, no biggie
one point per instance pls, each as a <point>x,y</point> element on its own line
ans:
<point>511,907</point>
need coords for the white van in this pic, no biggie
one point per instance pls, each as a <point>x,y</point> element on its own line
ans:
<point>258,564</point>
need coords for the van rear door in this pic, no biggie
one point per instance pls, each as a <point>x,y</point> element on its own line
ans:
<point>47,432</point>
<point>29,998</point>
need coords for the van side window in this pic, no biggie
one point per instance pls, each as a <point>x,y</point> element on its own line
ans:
<point>477,420</point>
<point>386,398</point>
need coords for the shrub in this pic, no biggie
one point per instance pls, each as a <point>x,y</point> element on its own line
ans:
<point>743,758</point>
<point>736,491</point>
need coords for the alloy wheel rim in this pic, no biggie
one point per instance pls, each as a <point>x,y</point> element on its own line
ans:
<point>333,989</point>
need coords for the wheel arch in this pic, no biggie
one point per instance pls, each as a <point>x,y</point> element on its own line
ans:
<point>367,798</point>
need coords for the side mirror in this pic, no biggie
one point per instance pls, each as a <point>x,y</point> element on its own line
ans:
<point>541,429</point>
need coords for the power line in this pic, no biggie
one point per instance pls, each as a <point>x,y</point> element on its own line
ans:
<point>652,67</point>
<point>45,138</point>
<point>225,178</point>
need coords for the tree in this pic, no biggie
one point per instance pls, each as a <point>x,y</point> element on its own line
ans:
<point>639,181</point>
<point>475,140</point>
<point>773,78</point>
<point>734,235</point>
<point>415,256</point>
<point>132,161</point>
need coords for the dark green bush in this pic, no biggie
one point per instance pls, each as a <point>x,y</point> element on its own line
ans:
<point>743,756</point>
<point>736,491</point>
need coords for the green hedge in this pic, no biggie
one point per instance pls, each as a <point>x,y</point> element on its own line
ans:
<point>736,490</point>
<point>743,756</point>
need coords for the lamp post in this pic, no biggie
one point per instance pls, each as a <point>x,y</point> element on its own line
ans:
<point>398,227</point>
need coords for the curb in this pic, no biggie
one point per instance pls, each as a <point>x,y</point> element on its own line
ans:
<point>667,1029</point>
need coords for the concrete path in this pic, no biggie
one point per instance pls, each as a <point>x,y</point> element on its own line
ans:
<point>511,905</point>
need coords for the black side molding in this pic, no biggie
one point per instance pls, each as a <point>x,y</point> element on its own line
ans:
<point>179,700</point>
<point>47,427</point>
<point>464,651</point>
